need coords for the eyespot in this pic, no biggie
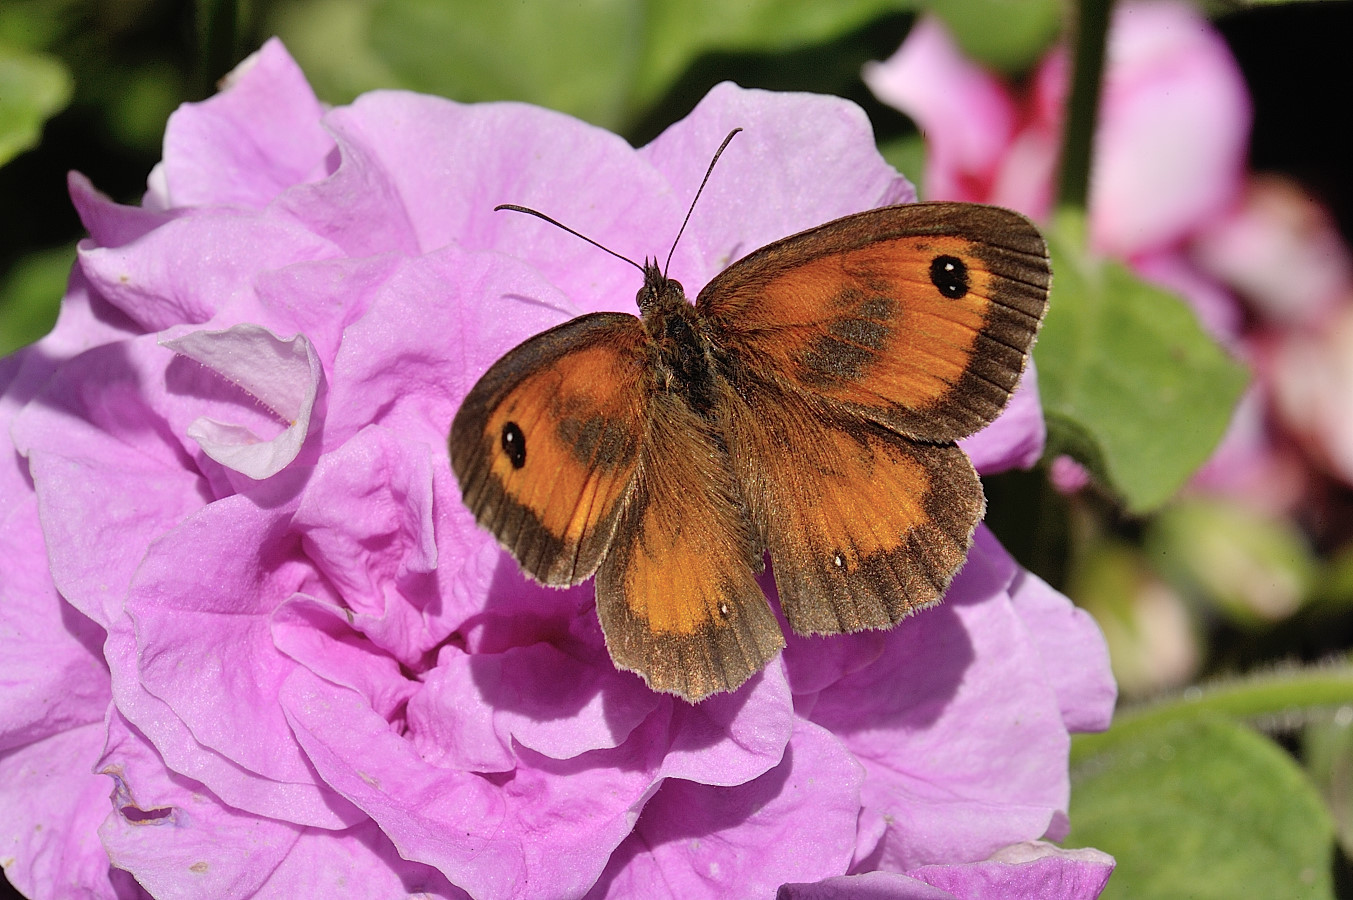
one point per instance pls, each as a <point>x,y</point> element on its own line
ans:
<point>514,445</point>
<point>838,560</point>
<point>723,609</point>
<point>949,274</point>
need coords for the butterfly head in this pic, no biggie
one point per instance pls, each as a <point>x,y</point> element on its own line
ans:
<point>659,292</point>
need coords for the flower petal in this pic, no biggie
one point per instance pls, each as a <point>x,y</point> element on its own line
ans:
<point>967,116</point>
<point>1174,129</point>
<point>802,160</point>
<point>1074,654</point>
<point>795,821</point>
<point>1030,869</point>
<point>148,281</point>
<point>959,763</point>
<point>257,137</point>
<point>283,375</point>
<point>92,433</point>
<point>166,829</point>
<point>51,803</point>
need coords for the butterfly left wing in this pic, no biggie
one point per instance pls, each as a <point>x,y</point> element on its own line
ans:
<point>676,595</point>
<point>546,444</point>
<point>919,317</point>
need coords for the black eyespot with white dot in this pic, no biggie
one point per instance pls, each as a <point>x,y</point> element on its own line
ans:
<point>514,445</point>
<point>949,274</point>
<point>838,560</point>
<point>723,609</point>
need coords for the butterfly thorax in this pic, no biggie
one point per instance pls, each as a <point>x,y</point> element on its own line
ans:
<point>685,362</point>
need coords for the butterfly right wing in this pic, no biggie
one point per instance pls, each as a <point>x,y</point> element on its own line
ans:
<point>864,526</point>
<point>546,445</point>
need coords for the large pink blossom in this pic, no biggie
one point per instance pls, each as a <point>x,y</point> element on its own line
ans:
<point>242,597</point>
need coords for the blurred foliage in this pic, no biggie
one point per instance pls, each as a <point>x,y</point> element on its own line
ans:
<point>33,87</point>
<point>1243,787</point>
<point>1230,815</point>
<point>1145,416</point>
<point>619,63</point>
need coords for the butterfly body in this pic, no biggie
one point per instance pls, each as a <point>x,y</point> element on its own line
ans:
<point>806,405</point>
<point>685,361</point>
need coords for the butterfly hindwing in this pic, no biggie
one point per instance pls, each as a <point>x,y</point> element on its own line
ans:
<point>547,443</point>
<point>864,526</point>
<point>676,594</point>
<point>919,317</point>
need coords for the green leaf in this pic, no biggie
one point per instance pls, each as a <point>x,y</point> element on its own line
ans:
<point>606,61</point>
<point>30,295</point>
<point>579,57</point>
<point>1202,808</point>
<point>680,31</point>
<point>1008,35</point>
<point>1327,748</point>
<point>33,88</point>
<point>331,40</point>
<point>1131,384</point>
<point>1278,696</point>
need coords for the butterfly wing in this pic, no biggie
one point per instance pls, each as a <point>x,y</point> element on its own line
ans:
<point>676,594</point>
<point>863,525</point>
<point>546,445</point>
<point>918,317</point>
<point>857,353</point>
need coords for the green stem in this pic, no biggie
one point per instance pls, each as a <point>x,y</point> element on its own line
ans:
<point>1273,697</point>
<point>218,28</point>
<point>1087,71</point>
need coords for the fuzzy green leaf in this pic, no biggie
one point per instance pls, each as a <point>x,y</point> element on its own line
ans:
<point>1131,384</point>
<point>1202,808</point>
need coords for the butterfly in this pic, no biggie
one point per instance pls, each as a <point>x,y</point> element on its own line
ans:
<point>806,405</point>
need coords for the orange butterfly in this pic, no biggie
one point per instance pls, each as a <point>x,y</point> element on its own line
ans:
<point>807,405</point>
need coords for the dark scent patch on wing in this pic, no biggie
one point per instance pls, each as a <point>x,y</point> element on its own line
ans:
<point>853,340</point>
<point>596,442</point>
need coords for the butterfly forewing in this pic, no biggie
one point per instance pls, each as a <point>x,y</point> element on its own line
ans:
<point>546,445</point>
<point>676,594</point>
<point>919,317</point>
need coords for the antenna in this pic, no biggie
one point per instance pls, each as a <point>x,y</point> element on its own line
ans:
<point>556,223</point>
<point>698,191</point>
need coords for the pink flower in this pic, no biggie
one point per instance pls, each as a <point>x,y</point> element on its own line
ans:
<point>244,594</point>
<point>1170,146</point>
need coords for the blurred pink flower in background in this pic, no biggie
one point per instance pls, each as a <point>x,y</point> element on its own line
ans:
<point>1279,251</point>
<point>1260,263</point>
<point>243,595</point>
<point>1169,149</point>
